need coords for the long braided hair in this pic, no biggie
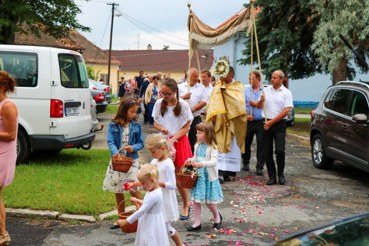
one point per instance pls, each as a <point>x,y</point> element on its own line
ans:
<point>172,85</point>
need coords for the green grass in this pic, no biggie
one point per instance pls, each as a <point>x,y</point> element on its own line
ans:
<point>301,127</point>
<point>303,110</point>
<point>70,182</point>
<point>111,109</point>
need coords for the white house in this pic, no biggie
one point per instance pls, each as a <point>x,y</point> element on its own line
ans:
<point>310,89</point>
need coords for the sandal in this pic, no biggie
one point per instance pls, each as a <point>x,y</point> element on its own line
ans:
<point>114,226</point>
<point>183,217</point>
<point>5,239</point>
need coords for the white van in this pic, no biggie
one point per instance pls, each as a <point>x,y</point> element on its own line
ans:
<point>53,98</point>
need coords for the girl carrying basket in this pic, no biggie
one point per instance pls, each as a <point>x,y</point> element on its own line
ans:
<point>151,223</point>
<point>124,132</point>
<point>207,189</point>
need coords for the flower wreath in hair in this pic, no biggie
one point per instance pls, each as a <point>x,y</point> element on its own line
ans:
<point>222,66</point>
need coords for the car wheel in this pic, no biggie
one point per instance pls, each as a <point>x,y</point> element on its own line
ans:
<point>318,153</point>
<point>23,147</point>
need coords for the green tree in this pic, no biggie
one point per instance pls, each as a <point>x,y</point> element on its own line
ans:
<point>302,37</point>
<point>285,33</point>
<point>91,72</point>
<point>350,18</point>
<point>54,17</point>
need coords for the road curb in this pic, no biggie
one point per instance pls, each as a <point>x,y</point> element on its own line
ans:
<point>45,214</point>
<point>28,213</point>
<point>86,218</point>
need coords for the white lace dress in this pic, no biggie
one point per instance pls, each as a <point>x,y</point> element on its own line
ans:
<point>151,230</point>
<point>172,123</point>
<point>167,175</point>
<point>113,179</point>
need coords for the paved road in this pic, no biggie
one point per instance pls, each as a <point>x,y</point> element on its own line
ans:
<point>254,214</point>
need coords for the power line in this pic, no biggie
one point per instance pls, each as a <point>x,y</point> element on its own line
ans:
<point>128,18</point>
<point>102,37</point>
<point>147,28</point>
<point>113,5</point>
<point>133,19</point>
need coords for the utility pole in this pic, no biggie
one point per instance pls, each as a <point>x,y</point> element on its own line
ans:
<point>111,37</point>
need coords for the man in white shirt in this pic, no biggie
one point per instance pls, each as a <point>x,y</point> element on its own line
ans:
<point>194,93</point>
<point>206,79</point>
<point>278,102</point>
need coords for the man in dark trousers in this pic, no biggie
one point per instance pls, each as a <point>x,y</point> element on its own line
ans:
<point>254,124</point>
<point>139,80</point>
<point>144,86</point>
<point>278,102</point>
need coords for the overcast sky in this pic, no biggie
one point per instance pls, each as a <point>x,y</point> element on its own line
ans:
<point>155,22</point>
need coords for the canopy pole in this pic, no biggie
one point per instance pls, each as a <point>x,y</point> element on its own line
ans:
<point>190,51</point>
<point>254,32</point>
<point>251,50</point>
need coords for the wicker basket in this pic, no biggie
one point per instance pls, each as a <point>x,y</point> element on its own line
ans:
<point>128,228</point>
<point>186,181</point>
<point>121,163</point>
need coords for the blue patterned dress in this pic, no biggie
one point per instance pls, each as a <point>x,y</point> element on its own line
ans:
<point>205,191</point>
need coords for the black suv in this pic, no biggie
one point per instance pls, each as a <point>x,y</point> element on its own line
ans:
<point>340,126</point>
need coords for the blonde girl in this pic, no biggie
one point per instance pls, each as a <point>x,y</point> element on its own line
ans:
<point>207,189</point>
<point>172,117</point>
<point>157,146</point>
<point>124,136</point>
<point>151,228</point>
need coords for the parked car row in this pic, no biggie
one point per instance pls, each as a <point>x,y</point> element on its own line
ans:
<point>101,94</point>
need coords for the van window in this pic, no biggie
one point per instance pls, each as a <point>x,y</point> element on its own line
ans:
<point>22,66</point>
<point>73,72</point>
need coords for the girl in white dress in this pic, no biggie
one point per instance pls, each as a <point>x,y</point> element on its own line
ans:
<point>151,229</point>
<point>157,145</point>
<point>172,117</point>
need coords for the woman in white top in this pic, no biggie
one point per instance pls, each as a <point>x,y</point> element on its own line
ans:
<point>172,117</point>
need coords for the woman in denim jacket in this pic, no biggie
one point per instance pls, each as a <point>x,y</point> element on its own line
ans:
<point>124,136</point>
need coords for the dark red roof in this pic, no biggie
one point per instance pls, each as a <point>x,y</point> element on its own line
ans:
<point>165,61</point>
<point>75,41</point>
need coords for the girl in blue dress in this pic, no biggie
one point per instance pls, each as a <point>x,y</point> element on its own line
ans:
<point>207,189</point>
